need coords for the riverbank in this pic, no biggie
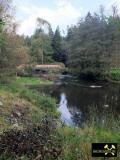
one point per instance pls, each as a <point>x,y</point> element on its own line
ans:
<point>16,100</point>
<point>112,75</point>
<point>21,107</point>
<point>22,113</point>
<point>33,81</point>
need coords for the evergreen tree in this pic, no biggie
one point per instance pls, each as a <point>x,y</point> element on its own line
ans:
<point>93,45</point>
<point>59,55</point>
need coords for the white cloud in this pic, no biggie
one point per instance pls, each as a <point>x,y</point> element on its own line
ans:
<point>61,3</point>
<point>63,14</point>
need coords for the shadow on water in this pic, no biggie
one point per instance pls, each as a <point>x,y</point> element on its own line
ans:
<point>83,101</point>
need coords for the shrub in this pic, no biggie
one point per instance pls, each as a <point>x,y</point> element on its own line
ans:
<point>39,142</point>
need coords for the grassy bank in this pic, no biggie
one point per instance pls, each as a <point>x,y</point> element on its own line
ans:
<point>32,81</point>
<point>22,107</point>
<point>16,98</point>
<point>114,74</point>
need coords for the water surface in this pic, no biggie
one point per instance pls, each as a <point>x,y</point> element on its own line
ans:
<point>81,101</point>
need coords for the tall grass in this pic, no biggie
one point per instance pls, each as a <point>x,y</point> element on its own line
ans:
<point>78,141</point>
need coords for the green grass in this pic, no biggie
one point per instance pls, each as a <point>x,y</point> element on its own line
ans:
<point>38,99</point>
<point>114,74</point>
<point>32,81</point>
<point>12,99</point>
<point>39,105</point>
<point>77,141</point>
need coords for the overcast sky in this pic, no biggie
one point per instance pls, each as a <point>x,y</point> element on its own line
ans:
<point>57,12</point>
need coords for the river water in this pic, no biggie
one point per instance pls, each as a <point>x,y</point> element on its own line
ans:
<point>82,101</point>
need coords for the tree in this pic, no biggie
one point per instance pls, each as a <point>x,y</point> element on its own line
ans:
<point>59,54</point>
<point>93,45</point>
<point>41,49</point>
<point>13,51</point>
<point>5,7</point>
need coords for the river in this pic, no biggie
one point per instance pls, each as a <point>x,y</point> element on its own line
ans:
<point>82,101</point>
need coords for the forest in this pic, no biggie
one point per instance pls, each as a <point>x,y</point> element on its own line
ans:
<point>30,124</point>
<point>90,47</point>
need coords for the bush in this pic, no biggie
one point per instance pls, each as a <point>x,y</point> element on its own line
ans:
<point>40,142</point>
<point>115,74</point>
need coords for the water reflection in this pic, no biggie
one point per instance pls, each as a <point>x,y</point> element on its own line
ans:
<point>66,116</point>
<point>87,104</point>
<point>79,103</point>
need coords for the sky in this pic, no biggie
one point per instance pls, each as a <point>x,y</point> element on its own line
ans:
<point>57,12</point>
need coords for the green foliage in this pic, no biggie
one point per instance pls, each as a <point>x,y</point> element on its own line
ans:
<point>41,101</point>
<point>2,23</point>
<point>114,74</point>
<point>36,104</point>
<point>13,53</point>
<point>93,44</point>
<point>12,47</point>
<point>77,141</point>
<point>59,55</point>
<point>41,49</point>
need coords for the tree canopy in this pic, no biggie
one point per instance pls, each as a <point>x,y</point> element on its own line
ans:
<point>93,45</point>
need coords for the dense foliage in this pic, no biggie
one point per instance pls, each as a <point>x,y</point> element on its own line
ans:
<point>93,45</point>
<point>12,47</point>
<point>58,49</point>
<point>16,50</point>
<point>46,47</point>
